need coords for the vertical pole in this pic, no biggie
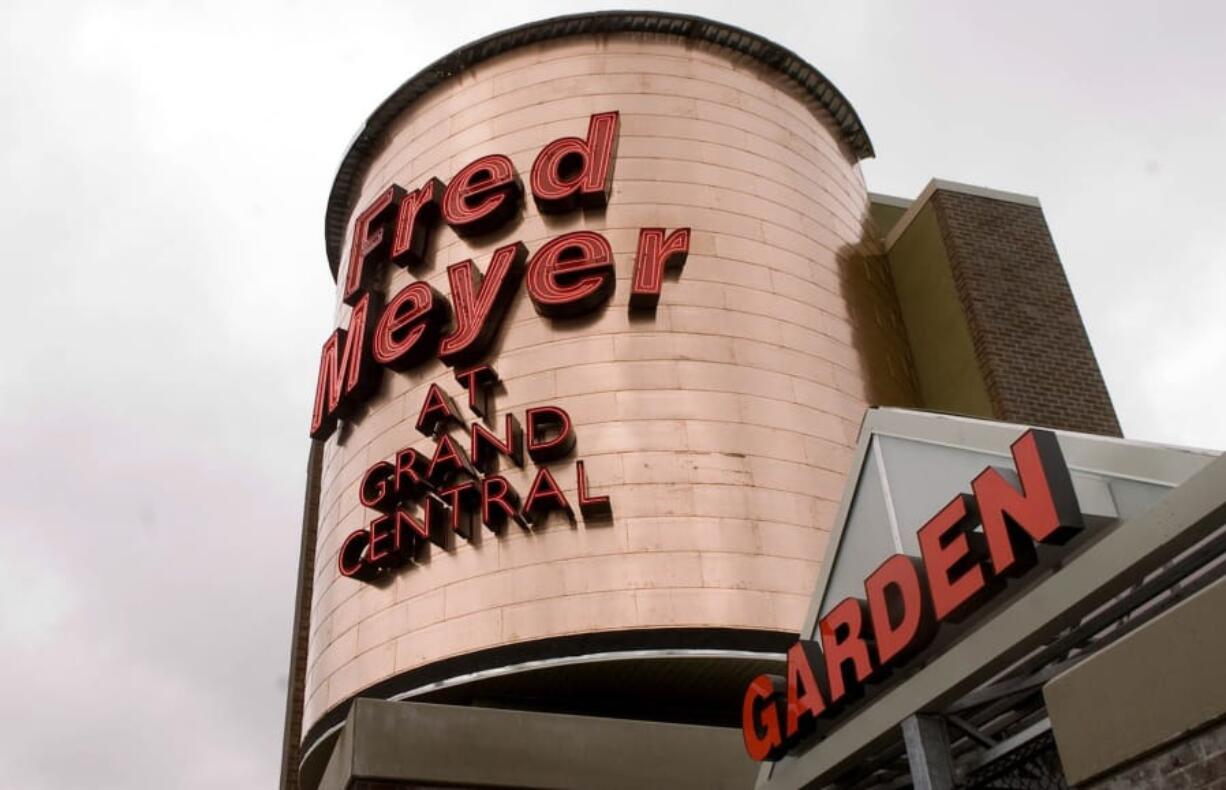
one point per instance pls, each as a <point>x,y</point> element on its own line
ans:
<point>928,752</point>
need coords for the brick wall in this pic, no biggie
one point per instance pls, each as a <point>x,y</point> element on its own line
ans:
<point>1032,348</point>
<point>1193,763</point>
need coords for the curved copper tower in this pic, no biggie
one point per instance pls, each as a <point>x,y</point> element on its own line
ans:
<point>721,427</point>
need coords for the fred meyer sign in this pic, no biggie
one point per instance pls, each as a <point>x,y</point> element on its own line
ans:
<point>967,552</point>
<point>422,498</point>
<point>571,274</point>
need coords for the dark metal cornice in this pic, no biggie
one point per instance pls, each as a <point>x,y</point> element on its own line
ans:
<point>346,186</point>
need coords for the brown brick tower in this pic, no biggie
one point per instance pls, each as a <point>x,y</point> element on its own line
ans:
<point>991,321</point>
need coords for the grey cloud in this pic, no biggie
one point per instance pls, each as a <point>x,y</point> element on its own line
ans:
<point>164,171</point>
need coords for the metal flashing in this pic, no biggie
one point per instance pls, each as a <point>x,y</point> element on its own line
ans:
<point>917,205</point>
<point>889,200</point>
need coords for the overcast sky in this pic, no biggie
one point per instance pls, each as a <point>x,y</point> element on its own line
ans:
<point>164,169</point>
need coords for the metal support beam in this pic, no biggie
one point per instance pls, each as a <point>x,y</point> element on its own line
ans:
<point>972,731</point>
<point>1007,688</point>
<point>927,743</point>
<point>1009,744</point>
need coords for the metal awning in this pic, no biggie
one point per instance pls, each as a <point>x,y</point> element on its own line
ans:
<point>972,711</point>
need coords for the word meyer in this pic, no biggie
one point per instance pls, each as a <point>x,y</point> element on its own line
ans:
<point>569,275</point>
<point>907,598</point>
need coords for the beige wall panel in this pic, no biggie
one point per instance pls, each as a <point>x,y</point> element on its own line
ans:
<point>722,428</point>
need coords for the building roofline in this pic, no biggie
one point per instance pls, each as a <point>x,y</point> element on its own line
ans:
<point>937,184</point>
<point>890,200</point>
<point>346,185</point>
